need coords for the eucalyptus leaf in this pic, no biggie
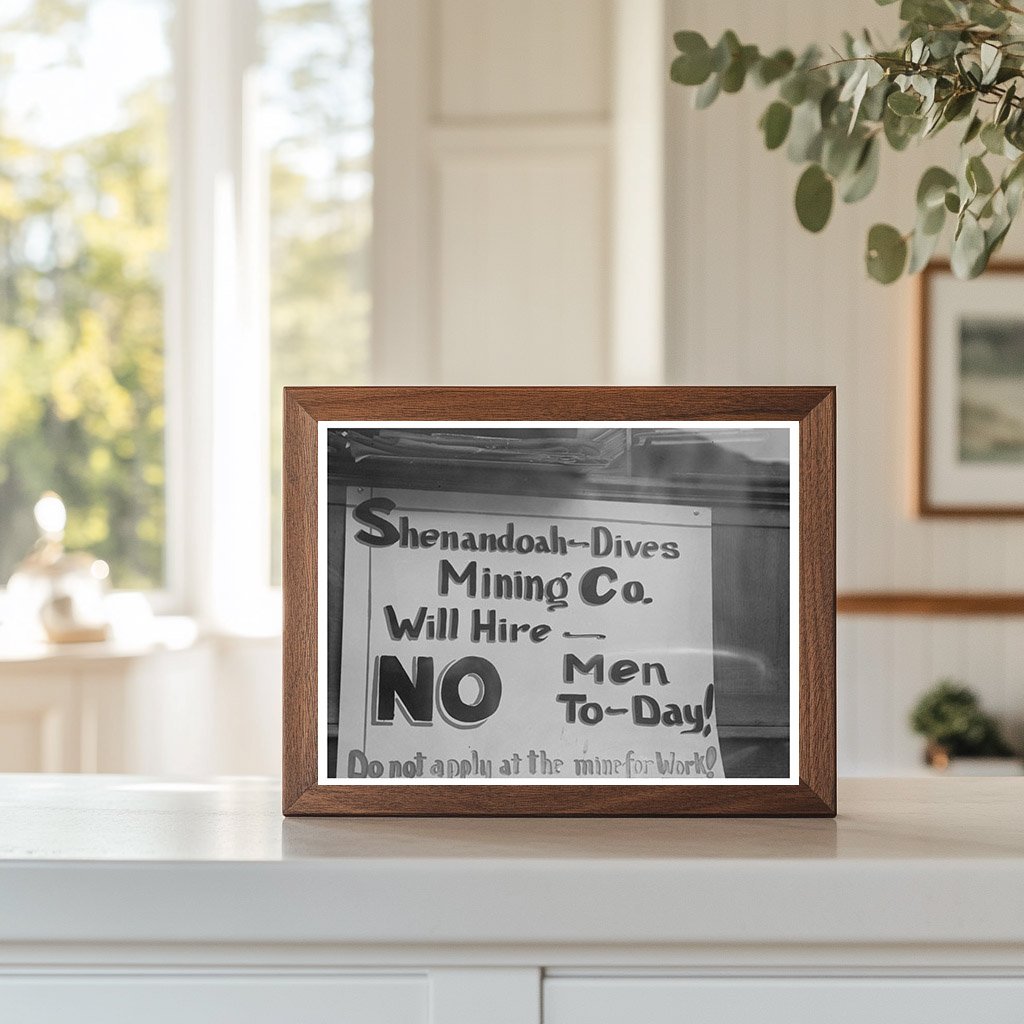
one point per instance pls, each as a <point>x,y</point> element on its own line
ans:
<point>932,221</point>
<point>1013,187</point>
<point>991,61</point>
<point>900,130</point>
<point>1000,205</point>
<point>856,81</point>
<point>966,187</point>
<point>925,88</point>
<point>814,197</point>
<point>993,138</point>
<point>771,69</point>
<point>817,84</point>
<point>840,152</point>
<point>1005,105</point>
<point>970,71</point>
<point>867,74</point>
<point>958,105</point>
<point>690,68</point>
<point>903,103</point>
<point>886,254</point>
<point>865,173</point>
<point>930,12</point>
<point>724,51</point>
<point>805,133</point>
<point>1013,148</point>
<point>987,15</point>
<point>794,88</point>
<point>978,176</point>
<point>1013,126</point>
<point>1014,192</point>
<point>922,248</point>
<point>707,93</point>
<point>735,74</point>
<point>828,105</point>
<point>944,44</point>
<point>775,124</point>
<point>973,130</point>
<point>931,191</point>
<point>968,247</point>
<point>873,106</point>
<point>933,122</point>
<point>687,41</point>
<point>1014,172</point>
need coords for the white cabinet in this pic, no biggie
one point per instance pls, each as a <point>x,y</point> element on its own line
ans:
<point>828,1000</point>
<point>478,996</point>
<point>131,898</point>
<point>204,999</point>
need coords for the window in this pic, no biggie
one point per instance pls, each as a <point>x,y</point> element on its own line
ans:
<point>185,221</point>
<point>83,234</point>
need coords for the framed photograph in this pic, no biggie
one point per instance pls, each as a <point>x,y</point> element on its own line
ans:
<point>970,451</point>
<point>559,601</point>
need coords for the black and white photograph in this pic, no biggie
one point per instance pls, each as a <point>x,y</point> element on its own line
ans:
<point>557,603</point>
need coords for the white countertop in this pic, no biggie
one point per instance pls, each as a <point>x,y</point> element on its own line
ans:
<point>121,859</point>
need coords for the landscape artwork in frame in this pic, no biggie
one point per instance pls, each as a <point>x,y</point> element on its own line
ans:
<point>971,393</point>
<point>523,606</point>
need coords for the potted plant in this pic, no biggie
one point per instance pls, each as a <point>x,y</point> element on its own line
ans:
<point>950,717</point>
<point>956,62</point>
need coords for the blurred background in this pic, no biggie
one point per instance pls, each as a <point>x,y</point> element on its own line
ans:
<point>202,201</point>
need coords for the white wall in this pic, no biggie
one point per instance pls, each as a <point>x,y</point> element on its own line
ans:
<point>501,130</point>
<point>754,299</point>
<point>508,145</point>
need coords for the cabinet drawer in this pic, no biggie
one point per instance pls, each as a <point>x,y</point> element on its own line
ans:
<point>782,1000</point>
<point>202,999</point>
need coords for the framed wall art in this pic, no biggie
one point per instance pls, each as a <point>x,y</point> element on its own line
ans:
<point>970,445</point>
<point>559,601</point>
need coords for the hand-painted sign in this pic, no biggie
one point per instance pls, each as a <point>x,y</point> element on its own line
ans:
<point>496,638</point>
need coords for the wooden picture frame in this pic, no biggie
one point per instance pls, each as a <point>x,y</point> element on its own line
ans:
<point>360,430</point>
<point>960,472</point>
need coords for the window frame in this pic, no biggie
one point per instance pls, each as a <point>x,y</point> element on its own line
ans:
<point>216,329</point>
<point>171,597</point>
<point>216,342</point>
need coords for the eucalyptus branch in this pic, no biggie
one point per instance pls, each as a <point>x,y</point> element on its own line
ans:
<point>842,60</point>
<point>954,59</point>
